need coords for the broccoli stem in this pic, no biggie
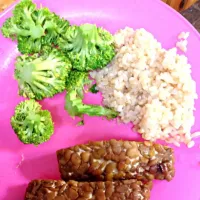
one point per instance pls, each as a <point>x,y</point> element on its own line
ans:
<point>76,107</point>
<point>19,31</point>
<point>74,98</point>
<point>40,73</point>
<point>37,32</point>
<point>40,86</point>
<point>94,110</point>
<point>44,65</point>
<point>29,73</point>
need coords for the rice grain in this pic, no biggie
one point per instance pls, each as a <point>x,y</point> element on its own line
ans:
<point>149,86</point>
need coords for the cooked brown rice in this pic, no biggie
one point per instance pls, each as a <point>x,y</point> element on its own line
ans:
<point>149,86</point>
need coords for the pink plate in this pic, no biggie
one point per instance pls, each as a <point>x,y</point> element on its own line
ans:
<point>21,163</point>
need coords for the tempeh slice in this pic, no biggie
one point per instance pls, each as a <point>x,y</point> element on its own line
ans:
<point>60,190</point>
<point>116,160</point>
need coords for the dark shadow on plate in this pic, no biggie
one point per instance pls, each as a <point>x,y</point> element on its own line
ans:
<point>15,192</point>
<point>43,167</point>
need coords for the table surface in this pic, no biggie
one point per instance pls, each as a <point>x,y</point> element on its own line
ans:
<point>192,14</point>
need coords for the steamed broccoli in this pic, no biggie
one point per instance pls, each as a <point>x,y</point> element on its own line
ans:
<point>33,28</point>
<point>31,124</point>
<point>74,98</point>
<point>27,46</point>
<point>53,29</point>
<point>94,89</point>
<point>22,22</point>
<point>42,75</point>
<point>88,47</point>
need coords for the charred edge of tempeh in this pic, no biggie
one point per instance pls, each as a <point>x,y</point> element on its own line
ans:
<point>61,190</point>
<point>116,160</point>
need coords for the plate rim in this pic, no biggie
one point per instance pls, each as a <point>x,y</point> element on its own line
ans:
<point>165,5</point>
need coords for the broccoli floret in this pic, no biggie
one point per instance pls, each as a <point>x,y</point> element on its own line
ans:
<point>77,81</point>
<point>22,23</point>
<point>80,123</point>
<point>53,27</point>
<point>27,45</point>
<point>33,28</point>
<point>31,124</point>
<point>89,47</point>
<point>42,75</point>
<point>74,98</point>
<point>94,89</point>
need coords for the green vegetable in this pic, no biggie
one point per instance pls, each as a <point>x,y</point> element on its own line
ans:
<point>53,29</point>
<point>93,89</point>
<point>42,75</point>
<point>74,98</point>
<point>33,28</point>
<point>88,47</point>
<point>22,24</point>
<point>81,123</point>
<point>31,124</point>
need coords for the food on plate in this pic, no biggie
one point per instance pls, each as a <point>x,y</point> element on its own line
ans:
<point>31,124</point>
<point>52,31</point>
<point>74,98</point>
<point>116,160</point>
<point>140,81</point>
<point>93,89</point>
<point>33,27</point>
<point>88,46</point>
<point>51,48</point>
<point>149,86</point>
<point>106,170</point>
<point>182,45</point>
<point>183,35</point>
<point>42,75</point>
<point>60,190</point>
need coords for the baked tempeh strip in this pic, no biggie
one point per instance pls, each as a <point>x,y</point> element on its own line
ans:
<point>60,190</point>
<point>116,160</point>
